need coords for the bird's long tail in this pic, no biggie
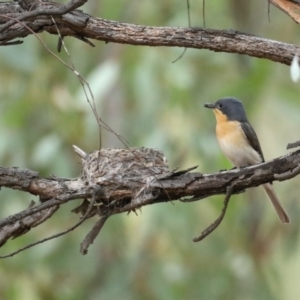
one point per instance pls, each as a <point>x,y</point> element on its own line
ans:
<point>283,216</point>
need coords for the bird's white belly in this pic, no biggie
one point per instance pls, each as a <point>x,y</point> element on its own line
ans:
<point>239,153</point>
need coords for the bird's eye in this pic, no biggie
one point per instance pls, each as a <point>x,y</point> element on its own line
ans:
<point>220,105</point>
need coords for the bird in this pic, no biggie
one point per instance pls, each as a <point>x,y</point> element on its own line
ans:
<point>239,142</point>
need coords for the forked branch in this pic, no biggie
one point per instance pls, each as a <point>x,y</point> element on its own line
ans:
<point>123,180</point>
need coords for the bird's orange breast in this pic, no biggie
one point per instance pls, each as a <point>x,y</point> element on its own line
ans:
<point>233,141</point>
<point>230,130</point>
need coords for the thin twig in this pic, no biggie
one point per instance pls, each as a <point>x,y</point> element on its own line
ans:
<point>85,40</point>
<point>61,10</point>
<point>82,81</point>
<point>32,210</point>
<point>180,56</point>
<point>203,12</point>
<point>218,221</point>
<point>89,239</point>
<point>92,103</point>
<point>24,225</point>
<point>18,42</point>
<point>84,84</point>
<point>288,175</point>
<point>60,233</point>
<point>188,12</point>
<point>189,22</point>
<point>293,145</point>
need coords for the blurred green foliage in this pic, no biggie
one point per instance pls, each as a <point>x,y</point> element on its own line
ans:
<point>152,102</point>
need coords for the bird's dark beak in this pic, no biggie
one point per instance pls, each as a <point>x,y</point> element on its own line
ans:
<point>210,105</point>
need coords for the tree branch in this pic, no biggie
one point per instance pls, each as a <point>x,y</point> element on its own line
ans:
<point>124,180</point>
<point>83,26</point>
<point>218,221</point>
<point>110,174</point>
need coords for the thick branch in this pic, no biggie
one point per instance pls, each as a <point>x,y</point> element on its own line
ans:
<point>79,24</point>
<point>172,186</point>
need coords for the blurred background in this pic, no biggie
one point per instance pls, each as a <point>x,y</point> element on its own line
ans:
<point>155,103</point>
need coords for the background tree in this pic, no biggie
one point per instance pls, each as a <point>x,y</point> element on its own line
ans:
<point>154,103</point>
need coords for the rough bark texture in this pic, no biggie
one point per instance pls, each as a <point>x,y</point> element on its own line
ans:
<point>124,190</point>
<point>39,17</point>
<point>142,175</point>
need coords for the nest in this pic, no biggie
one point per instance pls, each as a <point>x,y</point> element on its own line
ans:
<point>119,176</point>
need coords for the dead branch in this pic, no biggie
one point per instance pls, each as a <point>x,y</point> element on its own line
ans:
<point>40,220</point>
<point>137,177</point>
<point>218,221</point>
<point>80,25</point>
<point>89,239</point>
<point>123,180</point>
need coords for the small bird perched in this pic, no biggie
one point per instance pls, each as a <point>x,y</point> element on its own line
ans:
<point>239,142</point>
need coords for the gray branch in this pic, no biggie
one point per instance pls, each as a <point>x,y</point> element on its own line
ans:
<point>83,26</point>
<point>127,179</point>
<point>137,177</point>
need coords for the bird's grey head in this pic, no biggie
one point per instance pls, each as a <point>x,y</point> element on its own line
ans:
<point>231,107</point>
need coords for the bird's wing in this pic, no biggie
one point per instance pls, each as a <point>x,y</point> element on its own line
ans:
<point>252,138</point>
